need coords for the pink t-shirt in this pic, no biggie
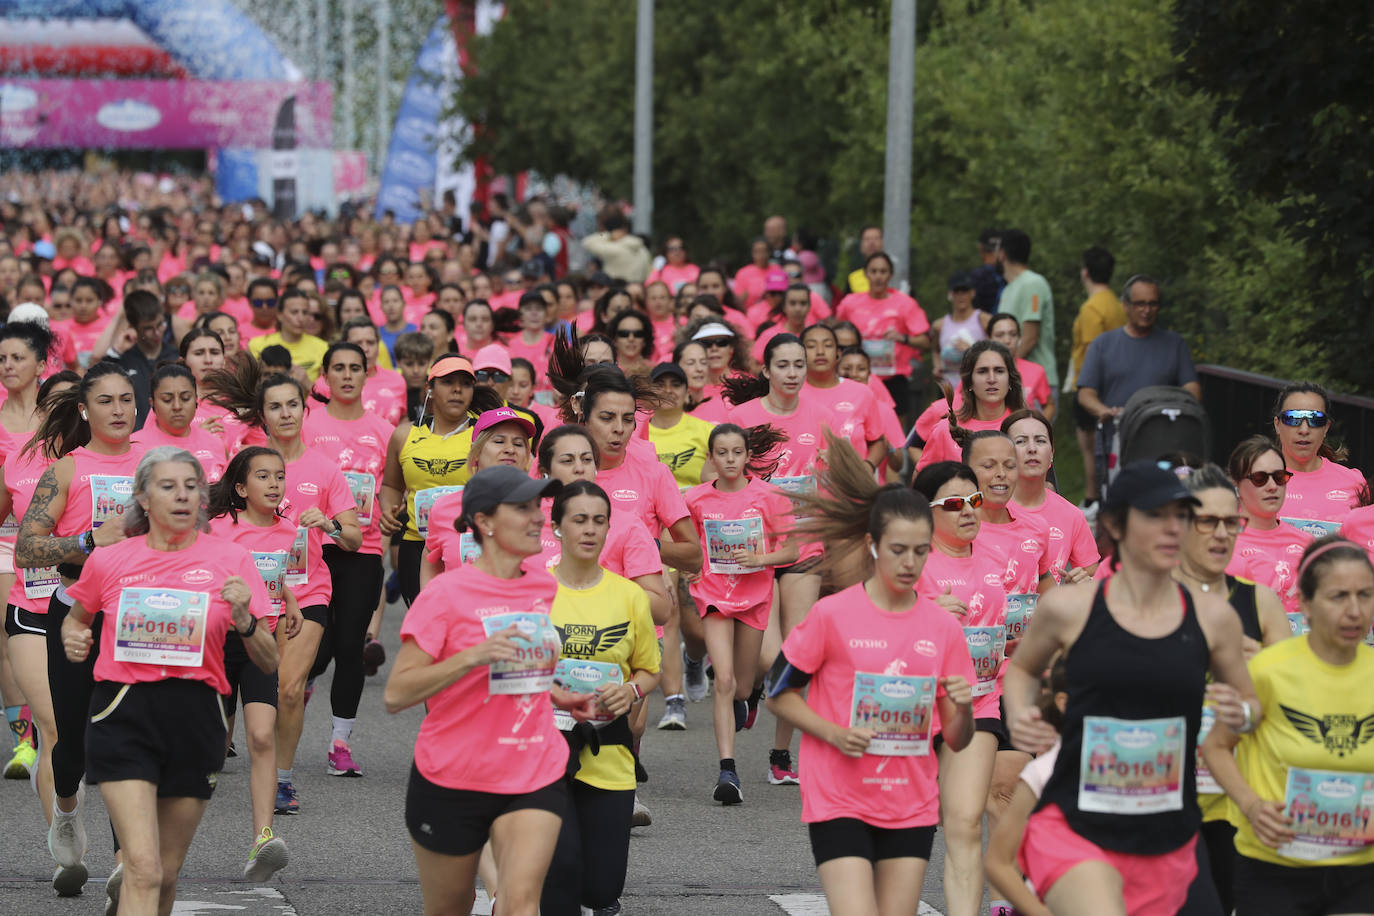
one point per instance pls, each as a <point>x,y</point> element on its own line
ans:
<point>1072,545</point>
<point>714,410</point>
<point>940,445</point>
<point>975,580</point>
<point>644,488</point>
<point>200,569</point>
<point>875,317</point>
<point>21,479</point>
<point>537,353</point>
<point>102,489</point>
<point>470,738</point>
<point>83,337</point>
<point>1035,385</point>
<point>384,394</point>
<point>843,637</point>
<point>206,446</point>
<point>759,515</point>
<point>1318,501</point>
<point>748,285</point>
<point>855,409</point>
<point>358,448</point>
<point>315,480</point>
<point>1271,558</point>
<point>1358,525</point>
<point>674,276</point>
<point>803,427</point>
<point>1023,544</point>
<point>276,539</point>
<point>665,338</point>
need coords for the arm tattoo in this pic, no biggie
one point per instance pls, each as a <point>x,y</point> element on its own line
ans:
<point>35,545</point>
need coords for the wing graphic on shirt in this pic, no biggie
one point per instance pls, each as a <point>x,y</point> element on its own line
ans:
<point>677,460</point>
<point>1339,734</point>
<point>582,640</point>
<point>439,467</point>
<point>608,637</point>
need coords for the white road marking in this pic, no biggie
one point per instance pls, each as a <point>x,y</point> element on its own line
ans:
<point>814,905</point>
<point>267,901</point>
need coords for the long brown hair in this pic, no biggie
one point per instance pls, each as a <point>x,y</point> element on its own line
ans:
<point>1015,399</point>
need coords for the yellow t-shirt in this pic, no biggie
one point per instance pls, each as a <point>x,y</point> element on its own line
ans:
<point>1317,716</point>
<point>1102,312</point>
<point>858,281</point>
<point>430,461</point>
<point>683,448</point>
<point>306,352</point>
<point>608,622</point>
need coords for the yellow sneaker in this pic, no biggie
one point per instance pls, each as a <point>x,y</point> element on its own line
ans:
<point>22,763</point>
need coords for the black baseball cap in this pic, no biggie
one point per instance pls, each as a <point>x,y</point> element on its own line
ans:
<point>490,487</point>
<point>1146,485</point>
<point>663,369</point>
<point>961,279</point>
<point>600,278</point>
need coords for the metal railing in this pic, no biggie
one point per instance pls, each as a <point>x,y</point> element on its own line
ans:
<point>1239,405</point>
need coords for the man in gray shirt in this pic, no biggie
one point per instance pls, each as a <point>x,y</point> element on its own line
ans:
<point>1119,363</point>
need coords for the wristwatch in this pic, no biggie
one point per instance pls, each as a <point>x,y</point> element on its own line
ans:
<point>88,542</point>
<point>252,628</point>
<point>338,529</point>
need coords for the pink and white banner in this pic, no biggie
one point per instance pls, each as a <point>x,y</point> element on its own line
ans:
<point>159,114</point>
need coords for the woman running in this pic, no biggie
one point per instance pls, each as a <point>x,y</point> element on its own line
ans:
<point>744,522</point>
<point>852,403</point>
<point>894,328</point>
<point>355,441</point>
<point>384,391</point>
<point>788,316</point>
<point>774,398</point>
<point>634,344</point>
<point>609,651</point>
<point>1072,549</point>
<point>428,455</point>
<point>887,671</point>
<point>678,437</point>
<point>243,509</point>
<point>173,396</point>
<point>1006,330</point>
<point>691,357</point>
<point>1267,548</point>
<point>1300,778</point>
<point>89,483</point>
<point>1116,828</point>
<point>157,729</point>
<point>1322,491</point>
<point>321,505</point>
<point>478,648</point>
<point>990,390</point>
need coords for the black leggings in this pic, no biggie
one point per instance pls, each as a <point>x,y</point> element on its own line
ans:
<point>1220,839</point>
<point>1203,899</point>
<point>357,583</point>
<point>408,569</point>
<point>71,684</point>
<point>593,852</point>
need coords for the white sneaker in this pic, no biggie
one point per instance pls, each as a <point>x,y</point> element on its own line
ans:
<point>67,834</point>
<point>694,677</point>
<point>674,715</point>
<point>68,881</point>
<point>1090,512</point>
<point>641,816</point>
<point>112,886</point>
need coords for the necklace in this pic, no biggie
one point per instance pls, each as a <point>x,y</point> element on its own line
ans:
<point>1205,586</point>
<point>582,587</point>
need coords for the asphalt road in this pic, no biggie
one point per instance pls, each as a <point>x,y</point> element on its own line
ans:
<point>350,853</point>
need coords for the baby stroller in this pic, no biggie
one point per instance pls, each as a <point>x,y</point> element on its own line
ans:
<point>1157,420</point>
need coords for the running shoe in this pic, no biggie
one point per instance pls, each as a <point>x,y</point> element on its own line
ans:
<point>374,656</point>
<point>741,715</point>
<point>1090,510</point>
<point>1001,908</point>
<point>341,761</point>
<point>728,790</point>
<point>287,802</point>
<point>68,880</point>
<point>612,910</point>
<point>22,763</point>
<point>754,697</point>
<point>112,886</point>
<point>641,816</point>
<point>266,858</point>
<point>393,588</point>
<point>780,771</point>
<point>674,715</point>
<point>67,833</point>
<point>232,752</point>
<point>694,677</point>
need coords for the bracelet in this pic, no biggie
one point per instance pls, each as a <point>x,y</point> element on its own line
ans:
<point>252,628</point>
<point>639,694</point>
<point>1249,724</point>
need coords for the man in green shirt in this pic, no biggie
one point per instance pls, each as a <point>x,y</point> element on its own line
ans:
<point>1028,297</point>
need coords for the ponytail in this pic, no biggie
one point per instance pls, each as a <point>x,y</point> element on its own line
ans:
<point>579,384</point>
<point>240,388</point>
<point>64,429</point>
<point>759,441</point>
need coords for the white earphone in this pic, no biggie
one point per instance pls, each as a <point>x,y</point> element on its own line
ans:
<point>83,415</point>
<point>873,550</point>
<point>558,533</point>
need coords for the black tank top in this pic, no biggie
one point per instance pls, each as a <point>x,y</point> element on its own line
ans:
<point>1241,594</point>
<point>1139,703</point>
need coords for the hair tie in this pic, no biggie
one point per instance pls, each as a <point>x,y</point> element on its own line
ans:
<point>1325,548</point>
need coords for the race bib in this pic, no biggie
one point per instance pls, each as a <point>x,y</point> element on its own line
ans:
<point>10,528</point>
<point>161,626</point>
<point>537,651</point>
<point>882,356</point>
<point>897,709</point>
<point>364,489</point>
<point>1020,610</point>
<point>424,505</point>
<point>1132,766</point>
<point>725,537</point>
<point>988,647</point>
<point>111,496</point>
<point>298,558</point>
<point>271,566</point>
<point>1206,782</point>
<point>1330,813</point>
<point>581,676</point>
<point>41,582</point>
<point>1313,526</point>
<point>468,548</point>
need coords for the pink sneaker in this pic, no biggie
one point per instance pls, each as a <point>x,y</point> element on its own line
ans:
<point>341,761</point>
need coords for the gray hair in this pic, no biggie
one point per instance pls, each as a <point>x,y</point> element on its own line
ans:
<point>1209,477</point>
<point>1139,278</point>
<point>136,520</point>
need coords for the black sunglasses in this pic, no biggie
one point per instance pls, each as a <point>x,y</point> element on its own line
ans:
<point>627,332</point>
<point>177,288</point>
<point>491,375</point>
<point>263,303</point>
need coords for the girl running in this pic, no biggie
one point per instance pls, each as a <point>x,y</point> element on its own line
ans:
<point>1267,548</point>
<point>1072,548</point>
<point>173,395</point>
<point>851,402</point>
<point>990,390</point>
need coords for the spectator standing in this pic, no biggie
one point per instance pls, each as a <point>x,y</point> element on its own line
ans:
<point>144,316</point>
<point>622,255</point>
<point>870,243</point>
<point>1100,312</point>
<point>987,281</point>
<point>1027,296</point>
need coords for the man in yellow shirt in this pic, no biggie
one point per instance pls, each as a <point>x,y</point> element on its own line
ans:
<point>306,350</point>
<point>870,243</point>
<point>1101,312</point>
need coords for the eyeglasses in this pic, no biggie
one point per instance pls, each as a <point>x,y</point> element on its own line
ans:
<point>628,332</point>
<point>1144,303</point>
<point>675,248</point>
<point>1206,524</point>
<point>263,303</point>
<point>389,273</point>
<point>1258,478</point>
<point>183,290</point>
<point>315,316</point>
<point>495,376</point>
<point>956,503</point>
<point>1314,418</point>
<point>712,343</point>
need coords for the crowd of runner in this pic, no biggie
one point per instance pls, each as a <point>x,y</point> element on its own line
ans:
<point>229,443</point>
